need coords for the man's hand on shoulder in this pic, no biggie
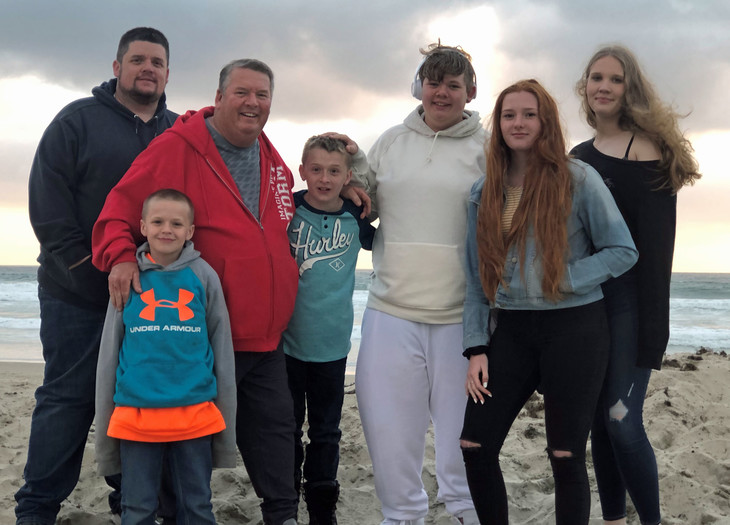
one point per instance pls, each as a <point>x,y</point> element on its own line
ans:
<point>120,278</point>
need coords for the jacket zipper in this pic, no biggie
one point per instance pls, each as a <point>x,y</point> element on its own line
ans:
<point>261,229</point>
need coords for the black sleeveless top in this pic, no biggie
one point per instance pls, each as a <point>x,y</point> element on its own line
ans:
<point>651,216</point>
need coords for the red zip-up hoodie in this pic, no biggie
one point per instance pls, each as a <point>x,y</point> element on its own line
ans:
<point>252,257</point>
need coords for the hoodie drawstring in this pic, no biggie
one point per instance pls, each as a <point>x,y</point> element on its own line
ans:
<point>433,143</point>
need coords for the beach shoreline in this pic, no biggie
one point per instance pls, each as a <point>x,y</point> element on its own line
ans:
<point>687,415</point>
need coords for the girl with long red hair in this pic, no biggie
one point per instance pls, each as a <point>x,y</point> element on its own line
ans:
<point>543,234</point>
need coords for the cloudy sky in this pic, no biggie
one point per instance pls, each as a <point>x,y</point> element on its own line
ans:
<point>347,66</point>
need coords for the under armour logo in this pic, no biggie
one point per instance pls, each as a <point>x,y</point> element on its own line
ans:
<point>183,299</point>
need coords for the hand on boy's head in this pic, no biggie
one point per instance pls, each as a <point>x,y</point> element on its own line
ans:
<point>351,145</point>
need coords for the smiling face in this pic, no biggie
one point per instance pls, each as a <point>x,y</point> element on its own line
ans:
<point>519,121</point>
<point>444,101</point>
<point>605,87</point>
<point>325,173</point>
<point>242,109</point>
<point>167,224</point>
<point>142,74</point>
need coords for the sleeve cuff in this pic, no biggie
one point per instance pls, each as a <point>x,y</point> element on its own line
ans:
<point>475,350</point>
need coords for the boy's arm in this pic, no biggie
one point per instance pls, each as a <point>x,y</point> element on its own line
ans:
<point>107,449</point>
<point>219,334</point>
<point>367,232</point>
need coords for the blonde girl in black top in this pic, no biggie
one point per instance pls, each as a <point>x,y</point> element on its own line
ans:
<point>644,160</point>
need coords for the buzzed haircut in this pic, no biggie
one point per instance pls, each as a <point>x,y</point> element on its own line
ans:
<point>245,63</point>
<point>169,194</point>
<point>328,144</point>
<point>143,34</point>
<point>447,60</point>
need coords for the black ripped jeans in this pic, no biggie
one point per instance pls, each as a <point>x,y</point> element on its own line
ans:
<point>561,353</point>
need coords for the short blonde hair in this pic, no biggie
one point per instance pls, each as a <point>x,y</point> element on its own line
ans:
<point>328,144</point>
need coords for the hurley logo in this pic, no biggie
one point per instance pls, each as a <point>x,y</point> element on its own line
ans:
<point>184,298</point>
<point>311,249</point>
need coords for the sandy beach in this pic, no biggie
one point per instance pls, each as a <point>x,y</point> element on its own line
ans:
<point>687,416</point>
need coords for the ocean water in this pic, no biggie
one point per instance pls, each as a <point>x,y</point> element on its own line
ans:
<point>700,313</point>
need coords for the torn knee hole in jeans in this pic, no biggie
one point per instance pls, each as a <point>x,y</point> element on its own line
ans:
<point>618,411</point>
<point>560,454</point>
<point>469,445</point>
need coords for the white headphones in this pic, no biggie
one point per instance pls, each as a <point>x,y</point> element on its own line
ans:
<point>417,84</point>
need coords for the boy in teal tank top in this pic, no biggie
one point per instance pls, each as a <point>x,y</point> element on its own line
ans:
<point>325,234</point>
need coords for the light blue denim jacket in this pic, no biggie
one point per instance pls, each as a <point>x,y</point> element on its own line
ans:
<point>600,248</point>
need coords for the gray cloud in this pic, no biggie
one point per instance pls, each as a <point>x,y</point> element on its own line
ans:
<point>323,52</point>
<point>329,56</point>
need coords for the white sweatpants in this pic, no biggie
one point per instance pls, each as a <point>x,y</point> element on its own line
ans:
<point>407,374</point>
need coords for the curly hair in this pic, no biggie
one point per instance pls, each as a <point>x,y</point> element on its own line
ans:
<point>545,204</point>
<point>642,111</point>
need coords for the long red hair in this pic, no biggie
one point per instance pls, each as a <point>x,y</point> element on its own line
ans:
<point>544,206</point>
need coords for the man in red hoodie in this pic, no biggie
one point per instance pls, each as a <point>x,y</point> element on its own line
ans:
<point>241,191</point>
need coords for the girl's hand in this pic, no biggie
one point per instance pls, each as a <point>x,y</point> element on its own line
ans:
<point>477,378</point>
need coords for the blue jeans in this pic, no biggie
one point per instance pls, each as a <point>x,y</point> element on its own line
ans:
<point>319,390</point>
<point>265,432</point>
<point>64,410</point>
<point>190,465</point>
<point>562,354</point>
<point>623,458</point>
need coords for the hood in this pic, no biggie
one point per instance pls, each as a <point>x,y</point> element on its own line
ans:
<point>466,127</point>
<point>191,128</point>
<point>188,254</point>
<point>104,94</point>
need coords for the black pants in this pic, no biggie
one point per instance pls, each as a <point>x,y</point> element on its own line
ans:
<point>563,354</point>
<point>265,431</point>
<point>318,391</point>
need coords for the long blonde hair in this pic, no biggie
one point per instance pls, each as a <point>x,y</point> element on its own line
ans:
<point>642,111</point>
<point>545,204</point>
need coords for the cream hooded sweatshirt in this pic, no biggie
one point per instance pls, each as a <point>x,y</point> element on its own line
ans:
<point>419,182</point>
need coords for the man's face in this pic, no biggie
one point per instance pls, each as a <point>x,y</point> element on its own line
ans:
<point>142,74</point>
<point>242,109</point>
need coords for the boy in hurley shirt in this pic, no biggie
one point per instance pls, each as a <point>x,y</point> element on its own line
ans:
<point>165,376</point>
<point>326,235</point>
